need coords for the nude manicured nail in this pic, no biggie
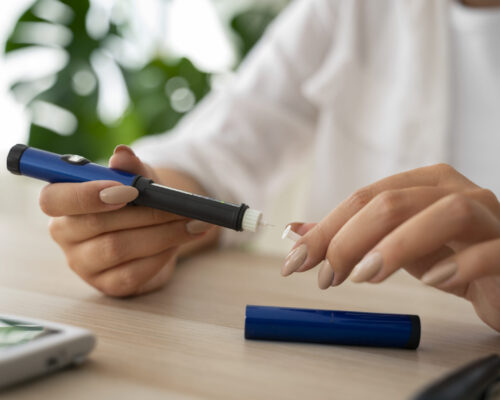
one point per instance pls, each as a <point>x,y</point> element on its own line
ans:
<point>440,274</point>
<point>122,147</point>
<point>294,260</point>
<point>367,268</point>
<point>196,226</point>
<point>118,194</point>
<point>325,275</point>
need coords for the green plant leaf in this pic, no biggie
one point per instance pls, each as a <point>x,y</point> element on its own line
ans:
<point>160,93</point>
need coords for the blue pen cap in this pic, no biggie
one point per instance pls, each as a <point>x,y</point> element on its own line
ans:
<point>332,326</point>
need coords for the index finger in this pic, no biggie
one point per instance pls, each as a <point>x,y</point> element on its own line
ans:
<point>58,199</point>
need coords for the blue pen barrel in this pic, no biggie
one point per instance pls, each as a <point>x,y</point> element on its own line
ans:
<point>330,326</point>
<point>51,167</point>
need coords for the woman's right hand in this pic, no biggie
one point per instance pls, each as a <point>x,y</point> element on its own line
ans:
<point>120,250</point>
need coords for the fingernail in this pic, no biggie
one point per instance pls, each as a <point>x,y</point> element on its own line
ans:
<point>294,260</point>
<point>440,273</point>
<point>195,226</point>
<point>123,147</point>
<point>367,268</point>
<point>325,275</point>
<point>118,194</point>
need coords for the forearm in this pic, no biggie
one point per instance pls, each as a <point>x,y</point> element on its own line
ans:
<point>182,181</point>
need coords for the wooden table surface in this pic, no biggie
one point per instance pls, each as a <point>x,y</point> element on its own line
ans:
<point>186,341</point>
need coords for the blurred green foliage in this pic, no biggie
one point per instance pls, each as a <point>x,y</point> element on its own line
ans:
<point>150,108</point>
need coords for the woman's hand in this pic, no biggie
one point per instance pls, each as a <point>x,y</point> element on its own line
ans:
<point>431,221</point>
<point>120,250</point>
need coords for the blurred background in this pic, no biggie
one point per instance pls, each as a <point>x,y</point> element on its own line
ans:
<point>83,76</point>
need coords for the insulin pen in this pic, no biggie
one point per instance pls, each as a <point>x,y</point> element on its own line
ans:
<point>51,167</point>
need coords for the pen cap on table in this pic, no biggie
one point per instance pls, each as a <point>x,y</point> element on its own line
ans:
<point>334,327</point>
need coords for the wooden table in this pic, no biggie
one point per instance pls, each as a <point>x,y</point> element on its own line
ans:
<point>186,341</point>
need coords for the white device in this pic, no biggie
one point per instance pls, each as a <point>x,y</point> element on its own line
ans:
<point>32,347</point>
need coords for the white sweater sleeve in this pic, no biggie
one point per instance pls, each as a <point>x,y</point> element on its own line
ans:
<point>241,142</point>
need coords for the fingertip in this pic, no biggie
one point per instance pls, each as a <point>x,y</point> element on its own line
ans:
<point>325,275</point>
<point>440,274</point>
<point>124,148</point>
<point>122,159</point>
<point>120,194</point>
<point>315,248</point>
<point>368,268</point>
<point>44,201</point>
<point>125,159</point>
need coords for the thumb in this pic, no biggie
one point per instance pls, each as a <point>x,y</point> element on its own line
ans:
<point>124,159</point>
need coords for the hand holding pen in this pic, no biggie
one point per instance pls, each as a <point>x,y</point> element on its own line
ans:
<point>119,250</point>
<point>122,250</point>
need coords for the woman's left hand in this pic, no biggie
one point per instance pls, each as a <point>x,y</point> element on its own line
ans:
<point>431,221</point>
